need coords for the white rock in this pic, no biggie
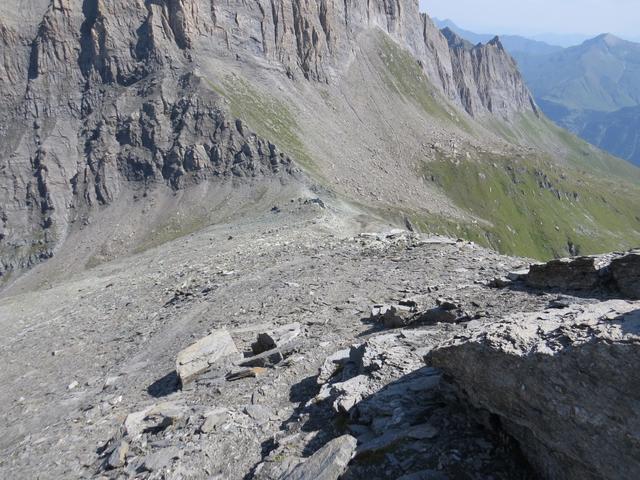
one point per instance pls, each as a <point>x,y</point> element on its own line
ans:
<point>199,357</point>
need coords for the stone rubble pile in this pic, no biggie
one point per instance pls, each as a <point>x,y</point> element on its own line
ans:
<point>433,390</point>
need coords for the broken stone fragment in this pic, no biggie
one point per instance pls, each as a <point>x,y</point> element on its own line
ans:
<point>499,282</point>
<point>213,419</point>
<point>438,315</point>
<point>245,373</point>
<point>448,305</point>
<point>162,458</point>
<point>328,463</point>
<point>518,275</point>
<point>272,357</point>
<point>118,456</point>
<point>392,316</point>
<point>349,393</point>
<point>259,413</point>
<point>332,364</point>
<point>200,356</point>
<point>276,338</point>
<point>155,417</point>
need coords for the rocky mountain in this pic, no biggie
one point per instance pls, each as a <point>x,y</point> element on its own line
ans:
<point>592,90</point>
<point>589,89</point>
<point>600,74</point>
<point>203,275</point>
<point>515,44</point>
<point>125,123</point>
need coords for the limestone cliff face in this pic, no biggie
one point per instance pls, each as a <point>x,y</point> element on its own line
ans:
<point>487,78</point>
<point>98,95</point>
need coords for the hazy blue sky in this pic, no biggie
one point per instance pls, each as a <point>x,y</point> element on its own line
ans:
<point>530,17</point>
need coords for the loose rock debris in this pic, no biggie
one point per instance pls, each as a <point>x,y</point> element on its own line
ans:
<point>321,373</point>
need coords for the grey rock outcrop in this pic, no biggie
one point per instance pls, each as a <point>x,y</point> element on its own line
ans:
<point>101,97</point>
<point>618,273</point>
<point>562,383</point>
<point>626,274</point>
<point>582,273</point>
<point>486,77</point>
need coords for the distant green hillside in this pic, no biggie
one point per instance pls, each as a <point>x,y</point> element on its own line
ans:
<point>602,74</point>
<point>564,197</point>
<point>616,132</point>
<point>593,90</point>
<point>528,204</point>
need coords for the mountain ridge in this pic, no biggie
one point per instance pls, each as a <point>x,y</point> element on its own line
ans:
<point>513,43</point>
<point>114,101</point>
<point>590,89</point>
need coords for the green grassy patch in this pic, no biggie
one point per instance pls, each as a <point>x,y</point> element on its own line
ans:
<point>177,226</point>
<point>404,76</point>
<point>526,206</point>
<point>569,149</point>
<point>269,117</point>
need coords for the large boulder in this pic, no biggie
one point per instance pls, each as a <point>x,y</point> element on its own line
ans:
<point>564,384</point>
<point>582,273</point>
<point>626,273</point>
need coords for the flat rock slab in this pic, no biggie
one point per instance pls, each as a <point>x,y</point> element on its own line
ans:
<point>160,459</point>
<point>276,337</point>
<point>328,463</point>
<point>200,356</point>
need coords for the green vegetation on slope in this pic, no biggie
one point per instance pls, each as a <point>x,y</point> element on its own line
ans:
<point>525,205</point>
<point>404,76</point>
<point>583,201</point>
<point>570,149</point>
<point>267,116</point>
<point>536,210</point>
<point>601,74</point>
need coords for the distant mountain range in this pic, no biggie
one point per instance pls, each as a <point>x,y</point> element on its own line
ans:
<point>513,43</point>
<point>592,89</point>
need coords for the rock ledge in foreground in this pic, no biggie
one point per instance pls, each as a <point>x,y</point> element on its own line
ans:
<point>564,384</point>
